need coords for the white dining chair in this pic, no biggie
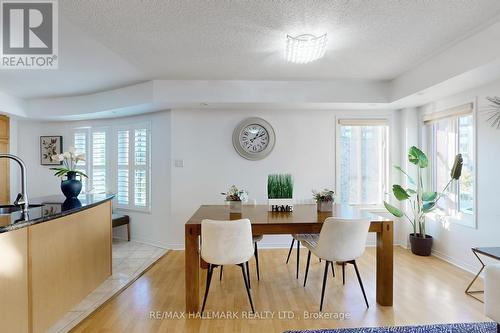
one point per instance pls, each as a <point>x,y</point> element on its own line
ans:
<point>255,239</point>
<point>226,243</point>
<point>299,238</point>
<point>340,240</point>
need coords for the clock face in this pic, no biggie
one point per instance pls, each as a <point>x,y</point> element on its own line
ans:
<point>254,138</point>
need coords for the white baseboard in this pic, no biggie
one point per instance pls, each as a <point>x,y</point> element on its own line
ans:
<point>178,246</point>
<point>146,242</point>
<point>455,262</point>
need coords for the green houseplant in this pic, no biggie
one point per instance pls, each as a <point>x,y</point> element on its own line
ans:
<point>235,197</point>
<point>324,200</point>
<point>280,192</point>
<point>420,201</point>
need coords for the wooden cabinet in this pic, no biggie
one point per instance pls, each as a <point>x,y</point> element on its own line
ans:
<point>4,163</point>
<point>69,258</point>
<point>14,281</point>
<point>48,268</point>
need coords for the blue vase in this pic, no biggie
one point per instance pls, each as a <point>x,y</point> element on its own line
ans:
<point>71,203</point>
<point>71,187</point>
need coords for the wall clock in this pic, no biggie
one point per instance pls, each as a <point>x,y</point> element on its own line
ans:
<point>254,138</point>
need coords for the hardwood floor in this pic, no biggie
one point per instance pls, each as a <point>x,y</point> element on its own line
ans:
<point>427,290</point>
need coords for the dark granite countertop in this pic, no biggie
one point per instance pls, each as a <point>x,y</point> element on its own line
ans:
<point>52,207</point>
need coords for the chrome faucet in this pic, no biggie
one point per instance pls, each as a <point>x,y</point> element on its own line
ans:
<point>22,198</point>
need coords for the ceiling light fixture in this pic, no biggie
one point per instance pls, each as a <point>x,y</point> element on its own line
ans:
<point>306,48</point>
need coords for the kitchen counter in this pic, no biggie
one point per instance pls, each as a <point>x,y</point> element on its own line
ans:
<point>52,207</point>
<point>52,258</point>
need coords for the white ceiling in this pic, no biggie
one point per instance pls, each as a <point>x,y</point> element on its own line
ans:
<point>113,43</point>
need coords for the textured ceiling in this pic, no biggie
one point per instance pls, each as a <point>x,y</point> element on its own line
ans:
<point>376,39</point>
<point>110,43</point>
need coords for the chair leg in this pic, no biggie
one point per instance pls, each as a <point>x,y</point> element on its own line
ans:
<point>498,328</point>
<point>220,274</point>
<point>319,259</point>
<point>298,258</point>
<point>128,232</point>
<point>290,251</point>
<point>324,285</point>
<point>307,267</point>
<point>248,274</point>
<point>333,269</point>
<point>246,284</point>
<point>256,254</point>
<point>207,287</point>
<point>343,273</point>
<point>360,282</point>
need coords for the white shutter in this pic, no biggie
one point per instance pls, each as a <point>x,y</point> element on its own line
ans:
<point>99,161</point>
<point>141,172</point>
<point>133,167</point>
<point>80,139</point>
<point>123,149</point>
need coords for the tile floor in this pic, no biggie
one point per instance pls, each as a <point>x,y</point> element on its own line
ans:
<point>130,259</point>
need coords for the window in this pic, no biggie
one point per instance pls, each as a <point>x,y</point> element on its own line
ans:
<point>362,161</point>
<point>118,160</point>
<point>449,133</point>
<point>92,143</point>
<point>133,167</point>
<point>80,140</point>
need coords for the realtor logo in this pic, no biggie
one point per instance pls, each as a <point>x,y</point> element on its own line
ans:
<point>29,34</point>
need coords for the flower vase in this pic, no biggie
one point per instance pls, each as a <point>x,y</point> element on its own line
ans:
<point>71,187</point>
<point>235,207</point>
<point>324,206</point>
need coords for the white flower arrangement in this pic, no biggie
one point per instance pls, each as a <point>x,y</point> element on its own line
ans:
<point>70,161</point>
<point>235,194</point>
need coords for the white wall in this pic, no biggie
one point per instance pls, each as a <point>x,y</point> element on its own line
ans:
<point>151,228</point>
<point>305,147</point>
<point>453,242</point>
<point>409,129</point>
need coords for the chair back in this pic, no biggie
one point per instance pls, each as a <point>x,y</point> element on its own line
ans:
<point>342,239</point>
<point>226,242</point>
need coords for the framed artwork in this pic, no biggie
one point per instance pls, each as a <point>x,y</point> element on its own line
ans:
<point>50,146</point>
<point>49,209</point>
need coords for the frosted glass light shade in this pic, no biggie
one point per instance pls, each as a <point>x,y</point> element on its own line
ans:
<point>306,48</point>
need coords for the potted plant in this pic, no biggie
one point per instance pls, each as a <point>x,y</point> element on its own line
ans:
<point>235,197</point>
<point>324,200</point>
<point>280,192</point>
<point>421,201</point>
<point>71,187</point>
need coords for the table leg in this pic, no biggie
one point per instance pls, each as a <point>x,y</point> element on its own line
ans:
<point>192,270</point>
<point>385,262</point>
<point>472,292</point>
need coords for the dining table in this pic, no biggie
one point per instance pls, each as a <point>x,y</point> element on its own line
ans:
<point>304,219</point>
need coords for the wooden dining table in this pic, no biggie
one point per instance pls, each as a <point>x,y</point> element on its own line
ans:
<point>304,219</point>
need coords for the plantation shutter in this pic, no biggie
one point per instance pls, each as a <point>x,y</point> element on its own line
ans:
<point>123,167</point>
<point>99,161</point>
<point>80,140</point>
<point>141,171</point>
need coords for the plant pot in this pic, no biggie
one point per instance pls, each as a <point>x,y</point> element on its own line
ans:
<point>421,246</point>
<point>235,207</point>
<point>324,206</point>
<point>71,187</point>
<point>71,203</point>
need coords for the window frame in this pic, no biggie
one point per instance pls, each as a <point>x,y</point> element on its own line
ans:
<point>89,130</point>
<point>131,167</point>
<point>461,217</point>
<point>364,121</point>
<point>111,166</point>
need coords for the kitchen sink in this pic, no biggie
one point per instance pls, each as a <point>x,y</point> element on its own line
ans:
<point>8,209</point>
